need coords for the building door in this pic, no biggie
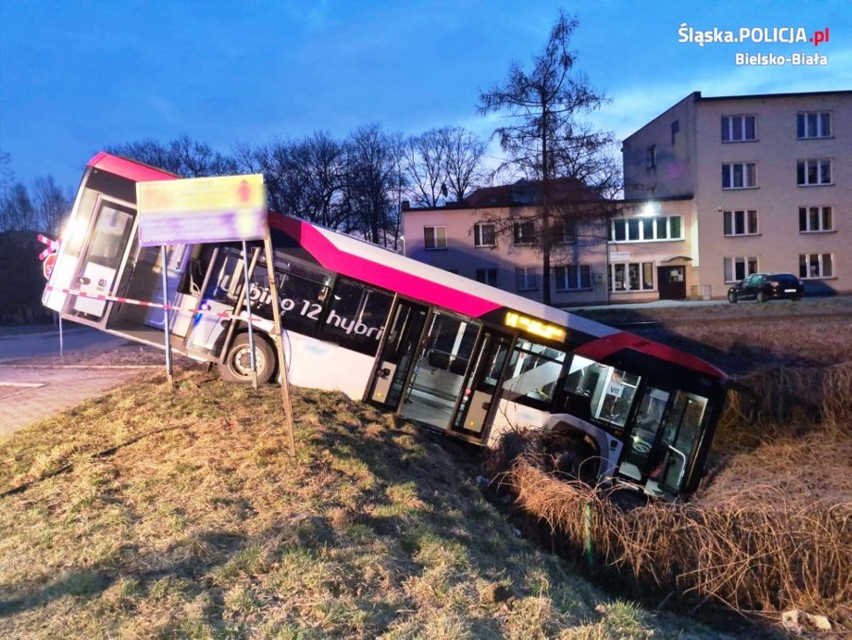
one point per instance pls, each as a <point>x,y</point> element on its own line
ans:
<point>672,282</point>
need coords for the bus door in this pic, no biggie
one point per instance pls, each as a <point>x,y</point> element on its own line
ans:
<point>483,380</point>
<point>681,436</point>
<point>440,368</point>
<point>102,258</point>
<point>404,332</point>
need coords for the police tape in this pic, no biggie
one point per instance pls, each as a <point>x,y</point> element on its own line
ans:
<point>204,309</point>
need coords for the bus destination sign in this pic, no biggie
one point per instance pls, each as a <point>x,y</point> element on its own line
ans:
<point>201,210</point>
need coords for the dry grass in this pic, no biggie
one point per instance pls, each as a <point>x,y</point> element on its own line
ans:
<point>152,513</point>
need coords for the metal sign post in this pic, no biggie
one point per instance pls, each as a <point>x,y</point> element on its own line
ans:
<point>247,296</point>
<point>279,342</point>
<point>167,320</point>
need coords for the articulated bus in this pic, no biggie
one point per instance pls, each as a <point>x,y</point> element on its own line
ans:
<point>444,351</point>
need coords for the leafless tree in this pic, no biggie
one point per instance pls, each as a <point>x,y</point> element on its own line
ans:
<point>372,180</point>
<point>52,204</point>
<point>463,164</point>
<point>183,157</point>
<point>544,138</point>
<point>424,162</point>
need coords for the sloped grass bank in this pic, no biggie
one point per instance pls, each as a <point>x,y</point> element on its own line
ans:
<point>159,513</point>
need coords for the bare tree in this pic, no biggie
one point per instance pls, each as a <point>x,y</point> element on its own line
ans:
<point>544,139</point>
<point>52,204</point>
<point>183,157</point>
<point>372,179</point>
<point>424,161</point>
<point>17,212</point>
<point>463,162</point>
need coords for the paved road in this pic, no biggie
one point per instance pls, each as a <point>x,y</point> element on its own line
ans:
<point>30,392</point>
<point>18,343</point>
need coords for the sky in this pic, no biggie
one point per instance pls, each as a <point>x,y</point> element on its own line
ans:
<point>82,75</point>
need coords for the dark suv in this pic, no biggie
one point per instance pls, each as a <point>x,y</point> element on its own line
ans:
<point>767,286</point>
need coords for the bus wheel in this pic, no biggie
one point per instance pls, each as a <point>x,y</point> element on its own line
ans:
<point>237,364</point>
<point>578,460</point>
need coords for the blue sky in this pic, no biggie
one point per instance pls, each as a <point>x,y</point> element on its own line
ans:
<point>78,76</point>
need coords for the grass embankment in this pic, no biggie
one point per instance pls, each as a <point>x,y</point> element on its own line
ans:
<point>158,513</point>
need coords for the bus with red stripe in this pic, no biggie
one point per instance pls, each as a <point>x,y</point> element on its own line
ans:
<point>443,351</point>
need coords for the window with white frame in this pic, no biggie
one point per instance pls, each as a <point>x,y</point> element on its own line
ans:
<point>739,175</point>
<point>435,238</point>
<point>738,268</point>
<point>631,276</point>
<point>646,229</point>
<point>816,265</point>
<point>484,235</point>
<point>813,124</point>
<point>740,222</point>
<point>487,276</point>
<point>526,278</point>
<point>523,233</point>
<point>573,277</point>
<point>738,128</point>
<point>813,171</point>
<point>815,219</point>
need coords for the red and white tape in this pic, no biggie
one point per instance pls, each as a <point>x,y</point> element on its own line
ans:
<point>142,303</point>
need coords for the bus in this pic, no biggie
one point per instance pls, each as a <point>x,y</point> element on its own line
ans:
<point>441,350</point>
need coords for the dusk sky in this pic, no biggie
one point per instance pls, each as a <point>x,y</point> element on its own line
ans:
<point>81,75</point>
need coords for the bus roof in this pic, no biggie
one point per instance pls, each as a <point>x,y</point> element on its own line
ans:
<point>383,268</point>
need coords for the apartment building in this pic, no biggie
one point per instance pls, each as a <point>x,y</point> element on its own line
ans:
<point>760,183</point>
<point>493,237</point>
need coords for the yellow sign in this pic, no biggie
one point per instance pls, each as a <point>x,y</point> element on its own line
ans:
<point>534,326</point>
<point>198,210</point>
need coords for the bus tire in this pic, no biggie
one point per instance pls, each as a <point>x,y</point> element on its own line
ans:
<point>236,366</point>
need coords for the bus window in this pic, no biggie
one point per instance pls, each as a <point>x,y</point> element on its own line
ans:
<point>302,291</point>
<point>640,450</point>
<point>533,373</point>
<point>599,391</point>
<point>356,316</point>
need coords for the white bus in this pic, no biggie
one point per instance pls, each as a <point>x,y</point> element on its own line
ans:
<point>444,351</point>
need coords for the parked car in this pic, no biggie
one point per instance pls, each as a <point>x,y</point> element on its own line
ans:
<point>767,286</point>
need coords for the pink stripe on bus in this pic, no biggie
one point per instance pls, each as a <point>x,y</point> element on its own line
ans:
<point>380,275</point>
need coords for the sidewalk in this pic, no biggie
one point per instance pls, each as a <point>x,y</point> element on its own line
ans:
<point>30,394</point>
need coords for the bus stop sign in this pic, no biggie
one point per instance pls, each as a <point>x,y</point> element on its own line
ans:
<point>199,210</point>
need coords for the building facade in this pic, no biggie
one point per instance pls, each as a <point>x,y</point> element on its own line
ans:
<point>493,237</point>
<point>762,182</point>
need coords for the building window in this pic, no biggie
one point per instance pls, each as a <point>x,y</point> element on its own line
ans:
<point>632,276</point>
<point>816,265</point>
<point>814,171</point>
<point>813,124</point>
<point>739,175</point>
<point>738,268</point>
<point>484,235</point>
<point>524,233</point>
<point>740,223</point>
<point>487,276</point>
<point>651,156</point>
<point>573,277</point>
<point>738,128</point>
<point>815,219</point>
<point>564,232</point>
<point>526,279</point>
<point>646,229</point>
<point>435,238</point>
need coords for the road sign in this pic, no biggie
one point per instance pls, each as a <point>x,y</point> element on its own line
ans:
<point>47,265</point>
<point>199,210</point>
